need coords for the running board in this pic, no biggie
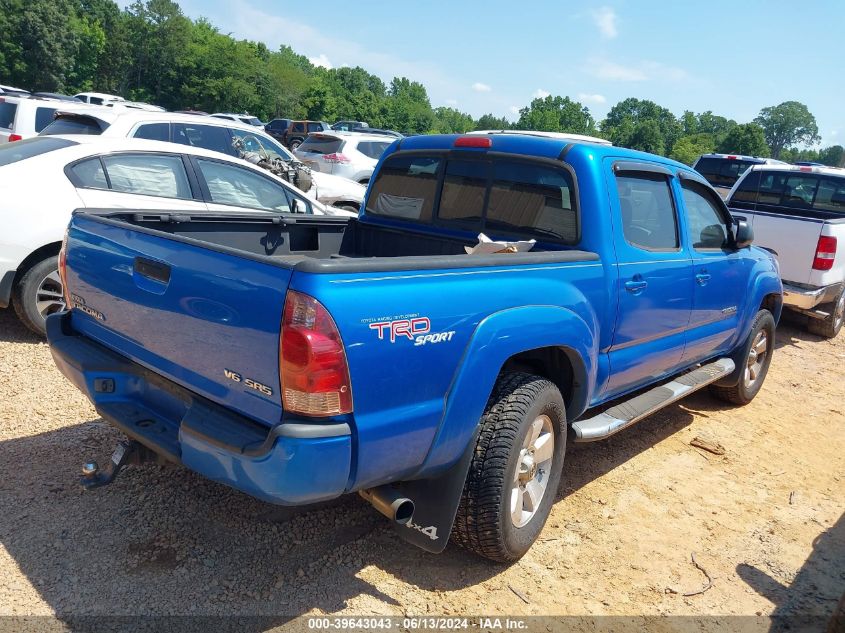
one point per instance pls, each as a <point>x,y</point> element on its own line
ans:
<point>625,414</point>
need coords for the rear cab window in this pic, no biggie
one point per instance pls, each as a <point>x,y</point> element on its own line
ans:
<point>498,196</point>
<point>791,192</point>
<point>322,145</point>
<point>722,172</point>
<point>73,125</point>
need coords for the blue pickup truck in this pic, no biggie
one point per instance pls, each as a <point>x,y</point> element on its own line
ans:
<point>298,359</point>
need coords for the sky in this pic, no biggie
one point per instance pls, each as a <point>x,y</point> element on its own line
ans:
<point>733,58</point>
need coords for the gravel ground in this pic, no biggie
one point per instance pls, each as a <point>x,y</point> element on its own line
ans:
<point>765,520</point>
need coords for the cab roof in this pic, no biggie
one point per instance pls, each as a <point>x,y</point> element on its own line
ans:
<point>529,144</point>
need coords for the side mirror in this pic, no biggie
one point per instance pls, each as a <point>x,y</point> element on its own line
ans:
<point>743,234</point>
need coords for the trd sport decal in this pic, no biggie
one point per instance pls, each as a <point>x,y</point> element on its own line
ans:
<point>412,327</point>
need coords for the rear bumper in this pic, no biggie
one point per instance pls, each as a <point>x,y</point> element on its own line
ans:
<point>806,298</point>
<point>288,464</point>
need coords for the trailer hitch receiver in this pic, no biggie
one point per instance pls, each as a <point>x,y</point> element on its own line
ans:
<point>125,453</point>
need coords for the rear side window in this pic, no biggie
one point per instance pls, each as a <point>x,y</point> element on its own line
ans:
<point>373,149</point>
<point>211,137</point>
<point>648,212</point>
<point>74,125</point>
<point>153,132</point>
<point>7,114</point>
<point>21,150</point>
<point>147,175</point>
<point>406,188</point>
<point>321,145</point>
<point>90,174</point>
<point>43,117</point>
<point>236,186</point>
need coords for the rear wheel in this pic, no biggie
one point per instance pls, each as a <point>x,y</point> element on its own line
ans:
<point>38,294</point>
<point>752,362</point>
<point>830,326</point>
<point>295,143</point>
<point>515,469</point>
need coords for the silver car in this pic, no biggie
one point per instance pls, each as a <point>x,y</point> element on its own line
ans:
<point>351,155</point>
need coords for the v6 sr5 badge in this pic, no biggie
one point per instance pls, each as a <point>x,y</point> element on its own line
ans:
<point>417,329</point>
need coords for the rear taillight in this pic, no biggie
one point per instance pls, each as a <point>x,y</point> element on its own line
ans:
<point>336,158</point>
<point>825,253</point>
<point>15,137</point>
<point>63,271</point>
<point>312,362</point>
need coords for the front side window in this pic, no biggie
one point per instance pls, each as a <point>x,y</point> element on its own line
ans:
<point>236,186</point>
<point>406,188</point>
<point>831,195</point>
<point>315,127</point>
<point>705,224</point>
<point>298,127</point>
<point>148,175</point>
<point>212,137</point>
<point>648,212</point>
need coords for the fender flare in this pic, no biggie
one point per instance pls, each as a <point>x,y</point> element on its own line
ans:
<point>436,488</point>
<point>497,338</point>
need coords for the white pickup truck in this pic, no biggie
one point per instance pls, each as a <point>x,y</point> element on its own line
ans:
<point>799,212</point>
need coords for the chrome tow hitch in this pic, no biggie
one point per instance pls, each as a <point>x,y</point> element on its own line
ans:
<point>127,452</point>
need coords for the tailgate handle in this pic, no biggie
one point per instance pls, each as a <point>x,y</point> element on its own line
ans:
<point>152,270</point>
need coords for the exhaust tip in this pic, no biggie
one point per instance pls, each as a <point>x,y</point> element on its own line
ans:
<point>403,511</point>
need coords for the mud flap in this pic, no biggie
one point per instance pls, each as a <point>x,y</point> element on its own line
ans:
<point>435,504</point>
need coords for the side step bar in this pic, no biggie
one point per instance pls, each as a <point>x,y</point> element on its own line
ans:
<point>625,414</point>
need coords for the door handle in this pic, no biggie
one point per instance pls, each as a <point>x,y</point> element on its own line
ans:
<point>702,278</point>
<point>636,286</point>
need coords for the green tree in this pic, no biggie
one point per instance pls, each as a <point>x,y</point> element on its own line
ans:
<point>688,148</point>
<point>833,156</point>
<point>47,43</point>
<point>491,122</point>
<point>786,125</point>
<point>624,125</point>
<point>451,121</point>
<point>556,114</point>
<point>745,138</point>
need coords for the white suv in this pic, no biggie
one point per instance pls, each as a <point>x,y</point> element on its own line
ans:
<point>212,133</point>
<point>22,117</point>
<point>352,155</point>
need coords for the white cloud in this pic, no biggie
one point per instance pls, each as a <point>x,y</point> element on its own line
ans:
<point>605,20</point>
<point>595,99</point>
<point>480,87</point>
<point>540,93</point>
<point>321,60</point>
<point>245,20</point>
<point>641,71</point>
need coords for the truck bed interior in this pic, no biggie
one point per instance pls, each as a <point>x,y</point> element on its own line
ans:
<point>324,244</point>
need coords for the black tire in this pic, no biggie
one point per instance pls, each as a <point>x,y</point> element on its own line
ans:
<point>749,383</point>
<point>295,143</point>
<point>34,286</point>
<point>832,325</point>
<point>484,524</point>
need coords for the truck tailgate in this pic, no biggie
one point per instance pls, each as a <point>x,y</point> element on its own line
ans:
<point>793,238</point>
<point>155,300</point>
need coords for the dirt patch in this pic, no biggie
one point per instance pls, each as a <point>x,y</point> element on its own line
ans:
<point>765,519</point>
